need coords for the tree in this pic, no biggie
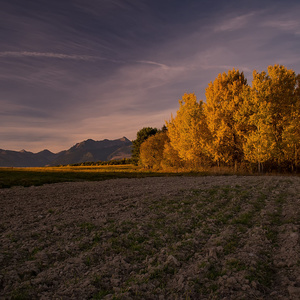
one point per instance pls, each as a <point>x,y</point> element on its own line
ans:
<point>223,100</point>
<point>272,102</point>
<point>152,149</point>
<point>171,159</point>
<point>257,141</point>
<point>141,136</point>
<point>291,133</point>
<point>188,131</point>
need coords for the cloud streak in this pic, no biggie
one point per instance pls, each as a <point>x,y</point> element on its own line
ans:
<point>292,26</point>
<point>79,57</point>
<point>235,23</point>
<point>153,63</point>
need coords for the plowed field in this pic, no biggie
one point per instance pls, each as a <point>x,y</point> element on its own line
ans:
<point>214,237</point>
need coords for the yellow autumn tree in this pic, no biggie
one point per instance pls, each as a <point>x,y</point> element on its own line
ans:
<point>271,103</point>
<point>171,159</point>
<point>223,101</point>
<point>152,150</point>
<point>188,132</point>
<point>291,132</point>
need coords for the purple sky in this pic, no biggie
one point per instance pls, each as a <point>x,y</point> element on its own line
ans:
<point>78,69</point>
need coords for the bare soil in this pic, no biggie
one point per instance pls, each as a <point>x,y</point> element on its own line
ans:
<point>222,237</point>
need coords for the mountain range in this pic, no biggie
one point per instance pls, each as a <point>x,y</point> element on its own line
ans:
<point>88,150</point>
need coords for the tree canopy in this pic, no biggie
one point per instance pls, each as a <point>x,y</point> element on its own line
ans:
<point>188,130</point>
<point>223,101</point>
<point>141,136</point>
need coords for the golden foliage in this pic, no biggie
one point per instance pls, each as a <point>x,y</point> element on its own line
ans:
<point>151,151</point>
<point>273,102</point>
<point>188,132</point>
<point>223,101</point>
<point>238,124</point>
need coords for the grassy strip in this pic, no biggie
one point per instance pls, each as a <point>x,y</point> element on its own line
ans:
<point>38,176</point>
<point>46,175</point>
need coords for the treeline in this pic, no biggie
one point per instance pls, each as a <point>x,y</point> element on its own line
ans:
<point>243,127</point>
<point>123,161</point>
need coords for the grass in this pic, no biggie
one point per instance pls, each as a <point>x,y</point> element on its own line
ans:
<point>26,177</point>
<point>23,293</point>
<point>263,273</point>
<point>100,282</point>
<point>86,226</point>
<point>236,265</point>
<point>38,176</point>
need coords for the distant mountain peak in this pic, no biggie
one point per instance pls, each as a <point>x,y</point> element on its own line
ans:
<point>45,151</point>
<point>124,139</point>
<point>84,143</point>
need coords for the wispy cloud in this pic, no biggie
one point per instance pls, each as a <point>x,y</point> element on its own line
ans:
<point>55,55</point>
<point>153,63</point>
<point>286,25</point>
<point>45,54</point>
<point>234,23</point>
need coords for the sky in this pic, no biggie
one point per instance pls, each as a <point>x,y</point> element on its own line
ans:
<point>72,70</point>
